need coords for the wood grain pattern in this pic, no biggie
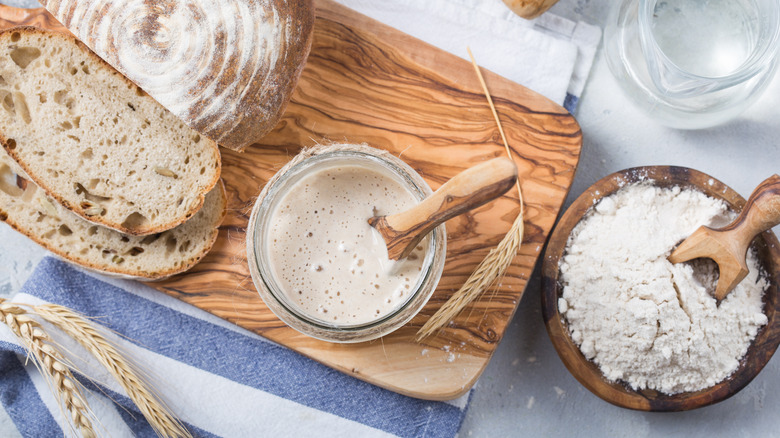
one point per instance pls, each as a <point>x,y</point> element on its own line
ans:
<point>227,68</point>
<point>10,17</point>
<point>366,82</point>
<point>587,372</point>
<point>728,246</point>
<point>467,190</point>
<point>762,210</point>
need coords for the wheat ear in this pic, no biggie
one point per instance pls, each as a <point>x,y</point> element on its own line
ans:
<point>498,259</point>
<point>50,362</point>
<point>82,330</point>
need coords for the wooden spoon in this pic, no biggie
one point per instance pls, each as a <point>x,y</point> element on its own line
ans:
<point>728,246</point>
<point>467,190</point>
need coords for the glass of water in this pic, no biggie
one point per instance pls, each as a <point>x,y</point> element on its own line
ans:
<point>693,63</point>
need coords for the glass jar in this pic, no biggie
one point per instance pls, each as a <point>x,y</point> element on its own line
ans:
<point>264,277</point>
<point>693,63</point>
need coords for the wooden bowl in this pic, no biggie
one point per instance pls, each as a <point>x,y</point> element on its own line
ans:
<point>588,373</point>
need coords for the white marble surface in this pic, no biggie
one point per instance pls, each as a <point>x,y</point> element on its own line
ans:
<point>526,391</point>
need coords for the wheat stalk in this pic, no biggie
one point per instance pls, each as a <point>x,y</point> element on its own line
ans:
<point>50,362</point>
<point>498,259</point>
<point>79,328</point>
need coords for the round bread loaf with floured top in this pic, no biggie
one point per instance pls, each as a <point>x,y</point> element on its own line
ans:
<point>227,68</point>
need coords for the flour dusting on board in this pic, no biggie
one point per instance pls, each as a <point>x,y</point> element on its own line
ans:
<point>642,319</point>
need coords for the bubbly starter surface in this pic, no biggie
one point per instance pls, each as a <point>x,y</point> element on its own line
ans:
<point>325,256</point>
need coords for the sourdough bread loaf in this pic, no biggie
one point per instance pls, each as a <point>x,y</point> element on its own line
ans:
<point>27,209</point>
<point>225,67</point>
<point>94,141</point>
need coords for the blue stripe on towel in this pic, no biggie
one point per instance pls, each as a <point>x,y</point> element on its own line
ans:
<point>20,397</point>
<point>138,424</point>
<point>141,428</point>
<point>570,103</point>
<point>254,363</point>
<point>130,414</point>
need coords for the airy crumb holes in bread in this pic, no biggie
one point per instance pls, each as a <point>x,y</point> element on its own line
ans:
<point>26,208</point>
<point>94,141</point>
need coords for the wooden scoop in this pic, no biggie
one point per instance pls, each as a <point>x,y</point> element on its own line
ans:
<point>529,9</point>
<point>467,190</point>
<point>728,246</point>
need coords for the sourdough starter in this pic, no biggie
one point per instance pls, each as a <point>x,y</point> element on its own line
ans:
<point>642,319</point>
<point>324,255</point>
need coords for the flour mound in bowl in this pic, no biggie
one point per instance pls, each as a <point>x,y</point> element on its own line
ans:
<point>642,319</point>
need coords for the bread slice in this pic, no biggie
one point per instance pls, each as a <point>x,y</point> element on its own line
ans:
<point>93,141</point>
<point>227,68</point>
<point>28,210</point>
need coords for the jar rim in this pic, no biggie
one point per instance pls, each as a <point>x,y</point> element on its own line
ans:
<point>264,278</point>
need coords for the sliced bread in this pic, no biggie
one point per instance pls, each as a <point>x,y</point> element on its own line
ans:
<point>227,68</point>
<point>94,141</point>
<point>28,210</point>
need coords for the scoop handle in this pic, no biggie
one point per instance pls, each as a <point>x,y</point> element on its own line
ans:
<point>467,190</point>
<point>761,212</point>
<point>529,9</point>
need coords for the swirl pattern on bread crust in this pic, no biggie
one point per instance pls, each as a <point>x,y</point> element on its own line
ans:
<point>225,67</point>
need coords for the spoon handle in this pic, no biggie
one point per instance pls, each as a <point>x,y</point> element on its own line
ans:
<point>529,9</point>
<point>469,189</point>
<point>761,212</point>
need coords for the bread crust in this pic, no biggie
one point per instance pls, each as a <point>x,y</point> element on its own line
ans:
<point>255,109</point>
<point>115,270</point>
<point>77,209</point>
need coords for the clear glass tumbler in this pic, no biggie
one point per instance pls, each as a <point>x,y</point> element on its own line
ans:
<point>693,64</point>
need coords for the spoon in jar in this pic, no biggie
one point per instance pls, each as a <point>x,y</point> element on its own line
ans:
<point>467,190</point>
<point>728,246</point>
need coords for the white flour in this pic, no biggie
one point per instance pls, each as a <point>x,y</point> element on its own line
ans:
<point>642,319</point>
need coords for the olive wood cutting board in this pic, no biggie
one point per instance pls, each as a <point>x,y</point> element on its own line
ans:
<point>365,82</point>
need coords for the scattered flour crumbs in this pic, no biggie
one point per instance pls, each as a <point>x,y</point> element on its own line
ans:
<point>640,318</point>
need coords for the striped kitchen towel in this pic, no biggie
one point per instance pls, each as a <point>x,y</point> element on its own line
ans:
<point>218,378</point>
<point>550,54</point>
